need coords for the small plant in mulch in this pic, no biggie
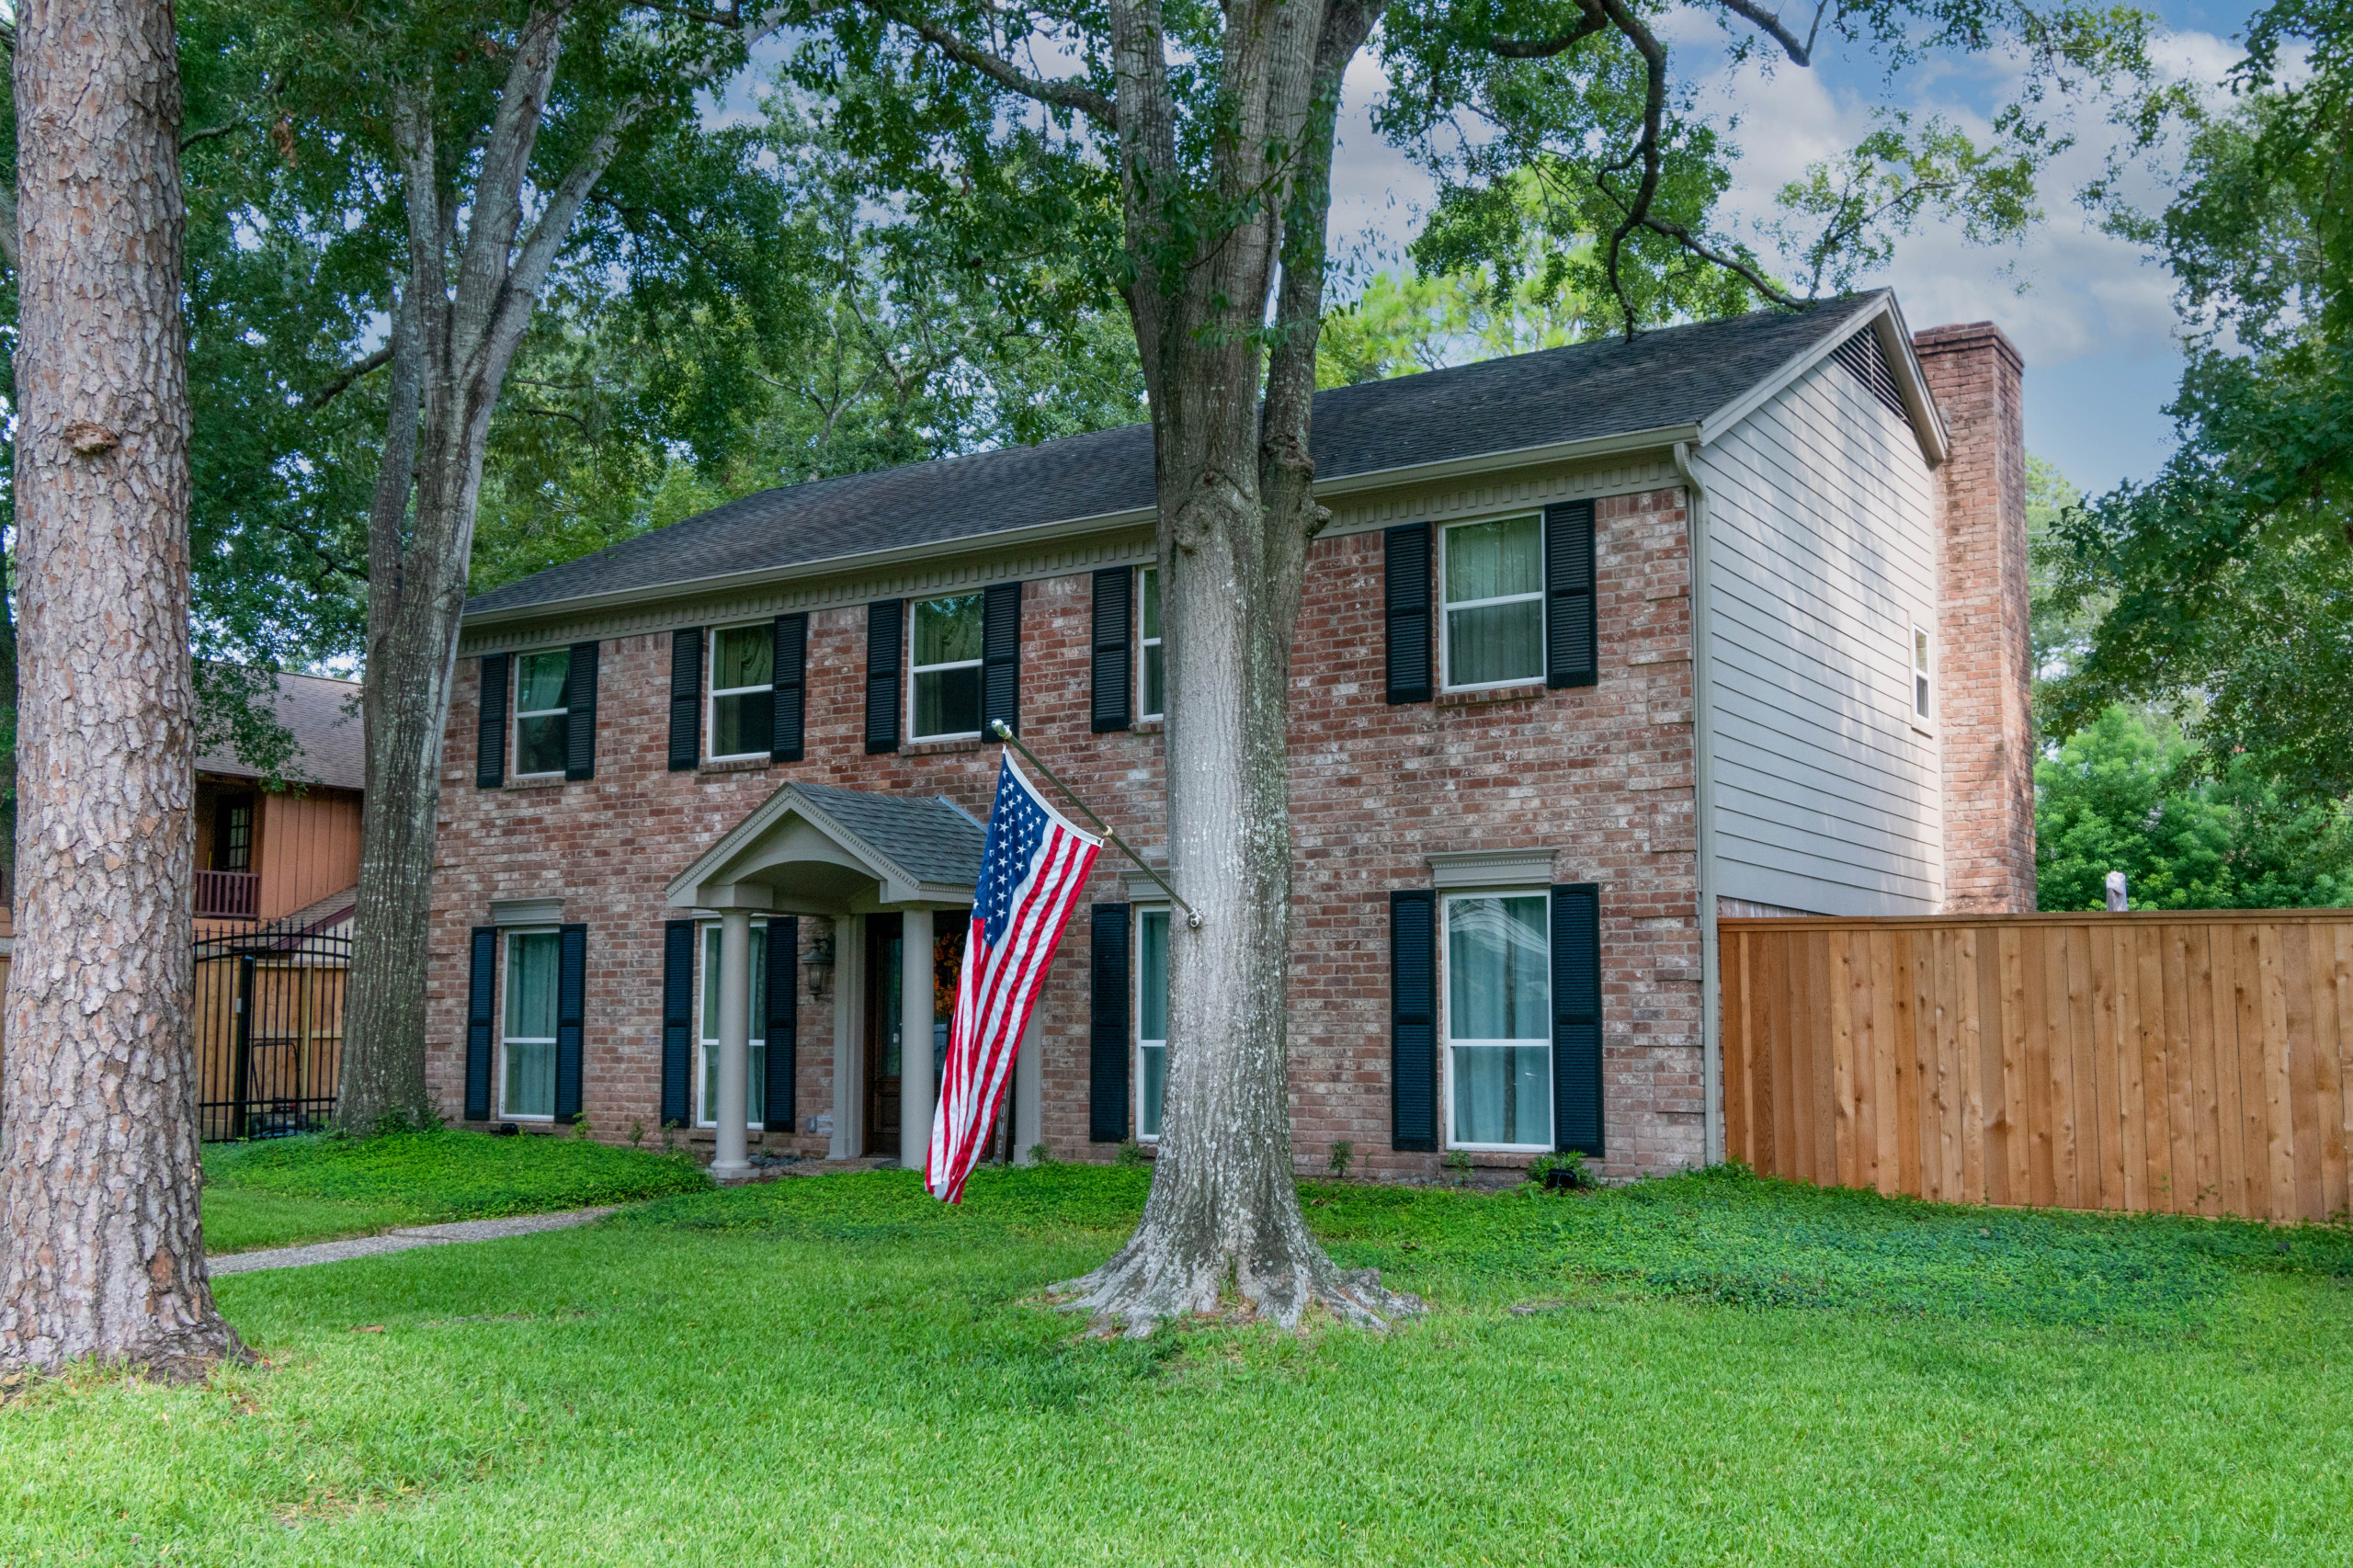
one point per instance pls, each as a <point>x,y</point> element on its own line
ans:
<point>1561,1172</point>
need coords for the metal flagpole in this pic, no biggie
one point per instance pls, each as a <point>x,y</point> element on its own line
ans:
<point>998,728</point>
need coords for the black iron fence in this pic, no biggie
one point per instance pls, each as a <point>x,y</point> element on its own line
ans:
<point>269,1031</point>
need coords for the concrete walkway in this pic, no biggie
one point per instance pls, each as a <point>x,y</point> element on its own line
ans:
<point>401,1240</point>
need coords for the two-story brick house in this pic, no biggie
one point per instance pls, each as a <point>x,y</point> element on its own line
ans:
<point>1600,641</point>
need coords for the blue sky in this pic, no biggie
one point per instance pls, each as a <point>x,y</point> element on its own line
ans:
<point>2092,319</point>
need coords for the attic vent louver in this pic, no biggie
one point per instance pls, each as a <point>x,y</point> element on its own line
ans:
<point>1861,354</point>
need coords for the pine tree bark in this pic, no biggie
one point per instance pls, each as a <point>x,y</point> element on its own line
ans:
<point>1237,514</point>
<point>98,1191</point>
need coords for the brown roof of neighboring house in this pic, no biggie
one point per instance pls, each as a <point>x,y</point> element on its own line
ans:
<point>324,715</point>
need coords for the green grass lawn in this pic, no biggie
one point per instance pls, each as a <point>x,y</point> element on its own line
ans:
<point>286,1191</point>
<point>838,1370</point>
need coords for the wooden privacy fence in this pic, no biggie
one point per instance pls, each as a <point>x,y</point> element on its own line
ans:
<point>2193,1063</point>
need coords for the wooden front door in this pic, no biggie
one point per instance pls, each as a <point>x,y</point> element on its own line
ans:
<point>884,975</point>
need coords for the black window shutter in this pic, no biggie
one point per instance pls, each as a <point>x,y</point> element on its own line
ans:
<point>482,1009</point>
<point>782,1026</point>
<point>490,756</point>
<point>885,635</point>
<point>789,673</point>
<point>1107,1055</point>
<point>571,1004</point>
<point>1114,663</point>
<point>677,1020</point>
<point>580,722</point>
<point>1577,1017</point>
<point>1569,656</point>
<point>1405,598</point>
<point>1413,1019</point>
<point>1001,658</point>
<point>686,700</point>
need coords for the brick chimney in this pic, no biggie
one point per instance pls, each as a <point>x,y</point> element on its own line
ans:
<point>1982,658</point>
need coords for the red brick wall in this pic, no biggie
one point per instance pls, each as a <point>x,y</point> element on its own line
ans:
<point>1983,722</point>
<point>1601,774</point>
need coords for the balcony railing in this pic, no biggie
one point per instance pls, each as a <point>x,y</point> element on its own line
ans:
<point>227,895</point>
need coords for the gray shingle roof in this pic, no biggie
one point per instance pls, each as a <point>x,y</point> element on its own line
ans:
<point>1589,390</point>
<point>929,837</point>
<point>326,724</point>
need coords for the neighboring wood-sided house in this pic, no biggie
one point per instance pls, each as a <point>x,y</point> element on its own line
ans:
<point>1599,643</point>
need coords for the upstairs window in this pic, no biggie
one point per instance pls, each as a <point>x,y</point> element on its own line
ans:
<point>742,694</point>
<point>1495,602</point>
<point>1921,683</point>
<point>1151,1021</point>
<point>947,666</point>
<point>1152,673</point>
<point>234,850</point>
<point>542,706</point>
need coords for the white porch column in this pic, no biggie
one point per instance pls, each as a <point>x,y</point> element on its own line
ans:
<point>914,1040</point>
<point>849,1038</point>
<point>734,1042</point>
<point>1029,1107</point>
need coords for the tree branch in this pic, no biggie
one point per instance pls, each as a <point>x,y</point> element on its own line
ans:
<point>1063,93</point>
<point>1731,264</point>
<point>209,132</point>
<point>336,384</point>
<point>1769,23</point>
<point>1595,19</point>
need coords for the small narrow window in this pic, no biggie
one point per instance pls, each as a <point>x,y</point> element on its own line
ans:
<point>1151,1021</point>
<point>1495,602</point>
<point>527,1044</point>
<point>1498,1021</point>
<point>947,668</point>
<point>234,851</point>
<point>1920,673</point>
<point>742,691</point>
<point>1150,673</point>
<point>542,704</point>
<point>755,1097</point>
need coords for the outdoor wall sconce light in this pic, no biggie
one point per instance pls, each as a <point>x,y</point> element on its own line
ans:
<point>820,962</point>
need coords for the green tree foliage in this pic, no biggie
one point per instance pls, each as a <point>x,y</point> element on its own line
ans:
<point>2122,794</point>
<point>2225,577</point>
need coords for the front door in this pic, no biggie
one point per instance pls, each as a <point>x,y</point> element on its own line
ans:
<point>885,970</point>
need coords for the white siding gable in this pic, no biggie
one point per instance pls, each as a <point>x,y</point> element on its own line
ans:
<point>1822,558</point>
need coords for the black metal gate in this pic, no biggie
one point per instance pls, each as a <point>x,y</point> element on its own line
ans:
<point>269,1031</point>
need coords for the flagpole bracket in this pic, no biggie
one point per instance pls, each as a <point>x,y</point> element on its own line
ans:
<point>998,728</point>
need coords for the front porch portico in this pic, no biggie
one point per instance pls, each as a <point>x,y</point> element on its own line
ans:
<point>818,849</point>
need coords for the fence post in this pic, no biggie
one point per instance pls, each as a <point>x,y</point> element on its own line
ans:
<point>244,1063</point>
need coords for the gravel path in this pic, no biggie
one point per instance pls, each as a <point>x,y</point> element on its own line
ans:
<point>401,1240</point>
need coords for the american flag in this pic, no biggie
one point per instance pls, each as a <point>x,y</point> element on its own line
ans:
<point>1033,865</point>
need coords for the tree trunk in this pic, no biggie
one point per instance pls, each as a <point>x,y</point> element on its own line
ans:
<point>454,336</point>
<point>1237,513</point>
<point>98,1196</point>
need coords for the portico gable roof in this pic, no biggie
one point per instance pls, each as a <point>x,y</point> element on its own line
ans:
<point>819,848</point>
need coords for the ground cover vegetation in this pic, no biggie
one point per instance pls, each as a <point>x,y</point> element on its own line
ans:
<point>1711,1368</point>
<point>286,1191</point>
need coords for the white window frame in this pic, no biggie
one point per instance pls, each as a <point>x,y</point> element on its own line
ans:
<point>1444,637</point>
<point>916,672</point>
<point>707,1047</point>
<point>1135,1028</point>
<point>1447,900</point>
<point>514,724</point>
<point>506,979</point>
<point>1922,651</point>
<point>1145,712</point>
<point>711,694</point>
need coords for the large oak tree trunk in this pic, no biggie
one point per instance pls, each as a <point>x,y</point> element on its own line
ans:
<point>1237,511</point>
<point>98,1196</point>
